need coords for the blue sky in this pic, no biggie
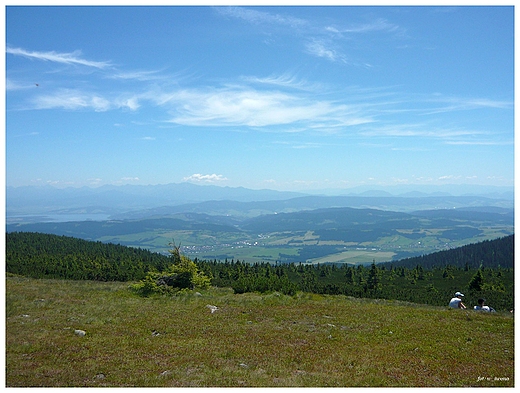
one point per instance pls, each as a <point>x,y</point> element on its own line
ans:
<point>287,98</point>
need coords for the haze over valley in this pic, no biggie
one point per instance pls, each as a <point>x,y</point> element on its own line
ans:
<point>211,222</point>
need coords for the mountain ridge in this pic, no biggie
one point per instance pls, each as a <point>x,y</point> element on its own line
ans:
<point>117,205</point>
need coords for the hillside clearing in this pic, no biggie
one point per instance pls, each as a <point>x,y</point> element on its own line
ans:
<point>252,340</point>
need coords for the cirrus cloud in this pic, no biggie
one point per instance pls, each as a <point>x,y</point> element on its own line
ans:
<point>72,99</point>
<point>64,58</point>
<point>238,106</point>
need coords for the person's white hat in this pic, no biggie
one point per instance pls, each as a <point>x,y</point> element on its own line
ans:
<point>458,294</point>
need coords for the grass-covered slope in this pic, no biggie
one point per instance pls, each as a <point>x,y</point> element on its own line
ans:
<point>50,256</point>
<point>251,340</point>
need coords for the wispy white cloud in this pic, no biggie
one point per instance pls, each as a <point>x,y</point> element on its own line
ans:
<point>319,40</point>
<point>418,130</point>
<point>131,103</point>
<point>308,145</point>
<point>72,99</point>
<point>301,145</point>
<point>481,142</point>
<point>320,48</point>
<point>425,133</point>
<point>254,108</point>
<point>376,25</point>
<point>138,75</point>
<point>286,80</point>
<point>13,85</point>
<point>277,103</point>
<point>199,178</point>
<point>260,17</point>
<point>451,104</point>
<point>64,58</point>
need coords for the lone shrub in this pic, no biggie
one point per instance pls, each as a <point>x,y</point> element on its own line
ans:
<point>182,274</point>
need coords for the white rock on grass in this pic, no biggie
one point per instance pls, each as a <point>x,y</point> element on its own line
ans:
<point>212,308</point>
<point>80,333</point>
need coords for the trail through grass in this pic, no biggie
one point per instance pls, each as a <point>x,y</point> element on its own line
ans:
<point>252,340</point>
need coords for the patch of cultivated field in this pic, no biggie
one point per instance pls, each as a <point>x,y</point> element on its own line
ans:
<point>355,257</point>
<point>276,246</point>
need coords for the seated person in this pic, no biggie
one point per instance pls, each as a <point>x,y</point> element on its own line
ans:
<point>456,302</point>
<point>481,306</point>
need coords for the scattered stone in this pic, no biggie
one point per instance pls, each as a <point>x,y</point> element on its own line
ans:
<point>166,372</point>
<point>212,308</point>
<point>155,333</point>
<point>243,365</point>
<point>100,376</point>
<point>198,294</point>
<point>80,333</point>
<point>25,315</point>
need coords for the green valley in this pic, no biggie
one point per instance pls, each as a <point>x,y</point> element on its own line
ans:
<point>338,235</point>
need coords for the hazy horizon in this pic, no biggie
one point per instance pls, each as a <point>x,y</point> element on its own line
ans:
<point>394,190</point>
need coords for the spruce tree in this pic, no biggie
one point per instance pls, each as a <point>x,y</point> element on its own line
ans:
<point>477,281</point>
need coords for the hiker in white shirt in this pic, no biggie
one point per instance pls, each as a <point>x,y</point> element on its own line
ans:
<point>481,306</point>
<point>456,302</point>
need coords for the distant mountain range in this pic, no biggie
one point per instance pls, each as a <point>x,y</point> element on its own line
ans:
<point>117,199</point>
<point>131,201</point>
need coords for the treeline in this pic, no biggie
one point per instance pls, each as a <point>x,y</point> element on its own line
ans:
<point>434,286</point>
<point>489,253</point>
<point>466,269</point>
<point>40,255</point>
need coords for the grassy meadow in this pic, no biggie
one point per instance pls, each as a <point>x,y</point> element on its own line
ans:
<point>251,340</point>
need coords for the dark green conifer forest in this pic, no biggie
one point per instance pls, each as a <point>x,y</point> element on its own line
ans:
<point>40,255</point>
<point>482,270</point>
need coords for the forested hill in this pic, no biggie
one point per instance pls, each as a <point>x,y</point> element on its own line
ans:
<point>42,255</point>
<point>488,254</point>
